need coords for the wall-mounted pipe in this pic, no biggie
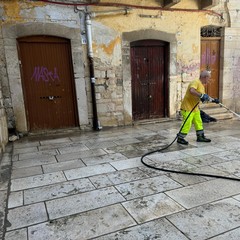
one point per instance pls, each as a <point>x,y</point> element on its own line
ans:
<point>88,32</point>
<point>114,4</point>
<point>96,123</point>
<point>124,11</point>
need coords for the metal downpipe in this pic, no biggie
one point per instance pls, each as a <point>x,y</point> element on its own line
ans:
<point>96,123</point>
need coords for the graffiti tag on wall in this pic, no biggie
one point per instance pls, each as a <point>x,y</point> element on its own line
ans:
<point>42,73</point>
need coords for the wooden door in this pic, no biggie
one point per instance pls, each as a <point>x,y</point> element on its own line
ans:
<point>210,58</point>
<point>149,84</point>
<point>47,77</point>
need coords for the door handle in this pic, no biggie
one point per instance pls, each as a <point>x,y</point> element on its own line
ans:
<point>50,97</point>
<point>150,96</point>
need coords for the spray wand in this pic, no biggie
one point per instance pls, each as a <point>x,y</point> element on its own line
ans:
<point>216,100</point>
<point>229,110</point>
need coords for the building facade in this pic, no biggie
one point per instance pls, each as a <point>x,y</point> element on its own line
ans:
<point>99,63</point>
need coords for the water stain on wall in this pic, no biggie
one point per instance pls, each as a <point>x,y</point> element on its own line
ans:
<point>108,49</point>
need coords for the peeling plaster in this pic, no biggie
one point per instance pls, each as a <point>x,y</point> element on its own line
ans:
<point>12,10</point>
<point>108,49</point>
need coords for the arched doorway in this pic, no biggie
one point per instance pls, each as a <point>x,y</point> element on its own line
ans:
<point>48,82</point>
<point>210,57</point>
<point>149,71</point>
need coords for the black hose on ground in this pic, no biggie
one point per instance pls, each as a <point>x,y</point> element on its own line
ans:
<point>176,171</point>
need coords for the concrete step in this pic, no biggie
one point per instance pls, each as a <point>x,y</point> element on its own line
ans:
<point>216,111</point>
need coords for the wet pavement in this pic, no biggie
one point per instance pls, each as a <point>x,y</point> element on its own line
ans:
<point>92,185</point>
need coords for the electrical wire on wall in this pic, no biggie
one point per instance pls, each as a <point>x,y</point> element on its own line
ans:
<point>113,4</point>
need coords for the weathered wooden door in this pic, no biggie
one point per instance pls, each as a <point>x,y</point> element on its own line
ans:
<point>210,58</point>
<point>47,78</point>
<point>149,79</point>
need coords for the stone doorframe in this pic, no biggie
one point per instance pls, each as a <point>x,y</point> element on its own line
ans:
<point>10,34</point>
<point>129,37</point>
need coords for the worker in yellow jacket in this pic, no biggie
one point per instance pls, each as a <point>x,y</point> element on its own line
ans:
<point>195,92</point>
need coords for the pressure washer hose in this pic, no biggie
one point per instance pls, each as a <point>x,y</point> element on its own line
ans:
<point>182,172</point>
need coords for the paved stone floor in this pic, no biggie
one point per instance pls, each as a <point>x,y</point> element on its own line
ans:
<point>92,185</point>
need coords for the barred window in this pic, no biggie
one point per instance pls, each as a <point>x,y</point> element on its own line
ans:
<point>211,31</point>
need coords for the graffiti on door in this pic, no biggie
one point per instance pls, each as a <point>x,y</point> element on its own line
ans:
<point>43,74</point>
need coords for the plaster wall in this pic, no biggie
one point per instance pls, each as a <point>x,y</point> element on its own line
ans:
<point>3,85</point>
<point>174,27</point>
<point>112,34</point>
<point>231,59</point>
<point>60,26</point>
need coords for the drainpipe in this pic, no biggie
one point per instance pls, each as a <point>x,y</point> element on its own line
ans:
<point>96,123</point>
<point>88,29</point>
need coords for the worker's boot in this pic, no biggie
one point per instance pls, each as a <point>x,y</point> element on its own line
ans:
<point>182,141</point>
<point>202,138</point>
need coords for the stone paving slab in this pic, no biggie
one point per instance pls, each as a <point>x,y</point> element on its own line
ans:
<point>179,165</point>
<point>61,145</point>
<point>55,167</point>
<point>37,181</point>
<point>76,155</point>
<point>204,160</point>
<point>57,190</point>
<point>199,151</point>
<point>25,150</point>
<point>146,187</point>
<point>128,163</point>
<point>228,132</point>
<point>152,207</point>
<point>17,235</point>
<point>228,155</point>
<point>208,220</point>
<point>102,144</point>
<point>56,140</point>
<point>158,229</point>
<point>88,171</point>
<point>205,192</point>
<point>27,215</point>
<point>40,154</point>
<point>83,226</point>
<point>212,170</point>
<point>118,177</point>
<point>35,161</point>
<point>103,159</point>
<point>186,180</point>
<point>232,167</point>
<point>71,149</point>
<point>5,171</point>
<point>225,142</point>
<point>61,189</point>
<point>169,156</point>
<point>25,144</point>
<point>15,199</point>
<point>127,141</point>
<point>231,235</point>
<point>78,203</point>
<point>26,171</point>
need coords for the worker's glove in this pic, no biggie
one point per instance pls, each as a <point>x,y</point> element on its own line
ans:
<point>214,100</point>
<point>204,98</point>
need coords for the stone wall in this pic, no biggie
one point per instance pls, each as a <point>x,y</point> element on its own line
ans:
<point>112,34</point>
<point>3,118</point>
<point>231,70</point>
